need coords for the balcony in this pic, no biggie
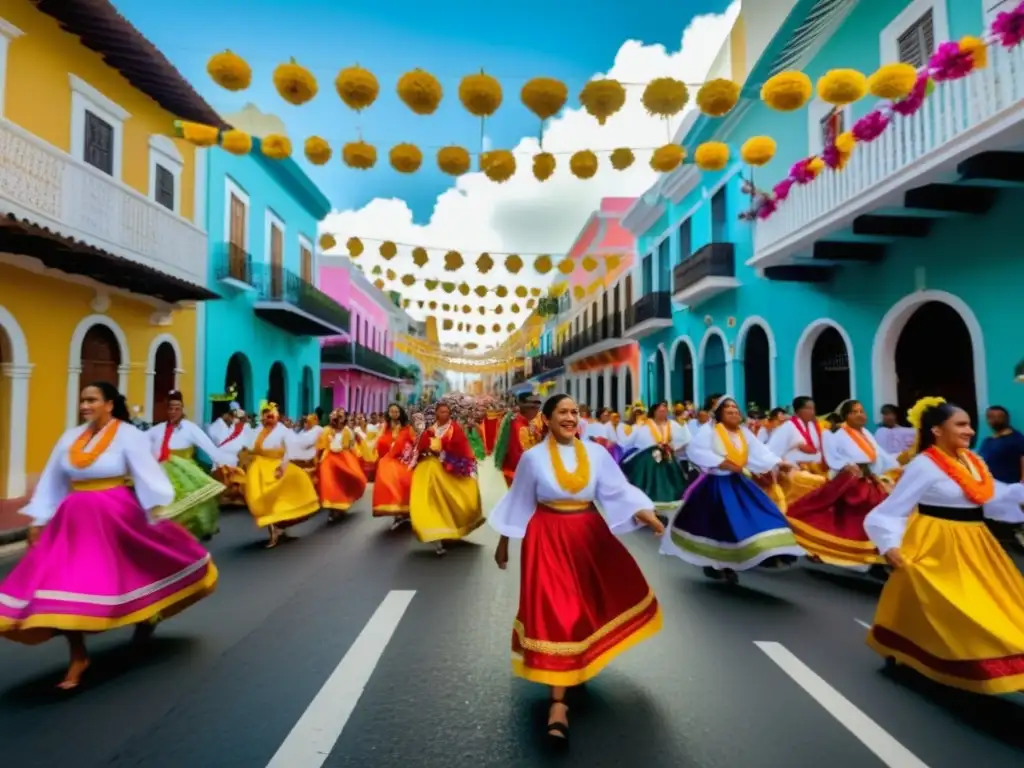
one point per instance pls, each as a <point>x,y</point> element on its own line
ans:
<point>650,314</point>
<point>232,267</point>
<point>707,273</point>
<point>947,159</point>
<point>356,356</point>
<point>605,334</point>
<point>77,219</point>
<point>286,300</point>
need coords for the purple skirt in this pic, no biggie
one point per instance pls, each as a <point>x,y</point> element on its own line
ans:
<point>100,564</point>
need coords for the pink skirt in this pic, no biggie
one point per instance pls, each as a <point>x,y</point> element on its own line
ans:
<point>100,564</point>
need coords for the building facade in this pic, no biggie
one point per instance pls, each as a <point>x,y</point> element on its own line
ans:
<point>102,241</point>
<point>886,281</point>
<point>263,337</point>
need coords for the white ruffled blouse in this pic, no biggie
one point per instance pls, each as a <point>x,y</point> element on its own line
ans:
<point>642,438</point>
<point>841,451</point>
<point>187,434</point>
<point>707,451</point>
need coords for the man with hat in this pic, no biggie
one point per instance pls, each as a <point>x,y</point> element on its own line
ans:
<point>519,432</point>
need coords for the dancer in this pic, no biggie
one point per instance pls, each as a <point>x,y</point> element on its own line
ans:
<point>366,436</point>
<point>393,482</point>
<point>476,440</point>
<point>232,433</point>
<point>445,502</point>
<point>303,449</point>
<point>277,493</point>
<point>96,561</point>
<point>799,441</point>
<point>342,481</point>
<point>953,608</point>
<point>601,431</point>
<point>582,598</point>
<point>196,494</point>
<point>829,522</point>
<point>651,463</point>
<point>519,433</point>
<point>894,439</point>
<point>490,426</point>
<point>727,523</point>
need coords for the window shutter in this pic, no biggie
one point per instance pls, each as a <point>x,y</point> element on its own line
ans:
<point>164,187</point>
<point>917,44</point>
<point>99,143</point>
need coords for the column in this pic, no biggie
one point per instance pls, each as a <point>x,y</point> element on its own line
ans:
<point>607,373</point>
<point>71,398</point>
<point>147,408</point>
<point>17,425</point>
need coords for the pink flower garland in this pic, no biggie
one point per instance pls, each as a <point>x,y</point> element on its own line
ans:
<point>951,61</point>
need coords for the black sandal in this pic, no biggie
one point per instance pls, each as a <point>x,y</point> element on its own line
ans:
<point>558,733</point>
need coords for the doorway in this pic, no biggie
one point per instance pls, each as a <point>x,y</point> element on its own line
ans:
<point>714,367</point>
<point>757,369</point>
<point>165,364</point>
<point>830,370</point>
<point>682,374</point>
<point>101,356</point>
<point>238,376</point>
<point>276,388</point>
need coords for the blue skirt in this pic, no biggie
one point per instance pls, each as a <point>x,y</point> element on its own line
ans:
<point>727,522</point>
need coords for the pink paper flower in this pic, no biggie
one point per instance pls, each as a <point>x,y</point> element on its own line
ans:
<point>950,62</point>
<point>767,208</point>
<point>871,126</point>
<point>781,190</point>
<point>801,172</point>
<point>1008,27</point>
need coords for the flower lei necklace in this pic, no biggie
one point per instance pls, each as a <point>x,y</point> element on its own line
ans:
<point>81,457</point>
<point>660,437</point>
<point>967,471</point>
<point>575,481</point>
<point>736,454</point>
<point>862,442</point>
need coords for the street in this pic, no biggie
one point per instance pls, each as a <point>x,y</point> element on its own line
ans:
<point>411,652</point>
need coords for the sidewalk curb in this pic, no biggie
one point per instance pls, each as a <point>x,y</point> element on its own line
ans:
<point>13,536</point>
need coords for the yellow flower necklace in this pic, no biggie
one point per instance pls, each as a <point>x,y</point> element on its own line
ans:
<point>737,455</point>
<point>660,438</point>
<point>570,482</point>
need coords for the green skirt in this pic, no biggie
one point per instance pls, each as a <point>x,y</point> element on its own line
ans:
<point>663,481</point>
<point>196,495</point>
<point>476,443</point>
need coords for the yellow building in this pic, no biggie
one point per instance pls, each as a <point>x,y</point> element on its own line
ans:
<point>102,248</point>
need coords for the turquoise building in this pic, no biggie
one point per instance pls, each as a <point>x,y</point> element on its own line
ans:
<point>894,278</point>
<point>263,337</point>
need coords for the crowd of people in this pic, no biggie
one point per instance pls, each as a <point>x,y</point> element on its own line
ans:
<point>120,514</point>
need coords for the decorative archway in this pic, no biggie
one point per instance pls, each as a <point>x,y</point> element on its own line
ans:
<point>75,364</point>
<point>163,366</point>
<point>684,371</point>
<point>824,361</point>
<point>715,364</point>
<point>884,378</point>
<point>756,344</point>
<point>277,387</point>
<point>238,374</point>
<point>17,370</point>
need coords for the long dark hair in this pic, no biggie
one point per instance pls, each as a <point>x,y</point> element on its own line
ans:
<point>403,417</point>
<point>111,395</point>
<point>846,408</point>
<point>548,409</point>
<point>935,416</point>
<point>654,408</point>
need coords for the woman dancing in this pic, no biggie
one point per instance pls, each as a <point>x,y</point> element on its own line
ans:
<point>342,481</point>
<point>582,598</point>
<point>727,523</point>
<point>799,441</point>
<point>953,608</point>
<point>444,504</point>
<point>651,464</point>
<point>96,560</point>
<point>393,484</point>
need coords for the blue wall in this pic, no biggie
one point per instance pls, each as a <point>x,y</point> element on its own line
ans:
<point>231,324</point>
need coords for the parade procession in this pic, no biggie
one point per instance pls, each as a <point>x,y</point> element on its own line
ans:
<point>663,416</point>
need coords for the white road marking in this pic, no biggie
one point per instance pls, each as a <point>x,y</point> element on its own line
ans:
<point>863,624</point>
<point>870,734</point>
<point>311,740</point>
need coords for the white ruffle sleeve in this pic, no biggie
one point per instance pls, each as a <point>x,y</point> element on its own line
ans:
<point>53,485</point>
<point>1005,506</point>
<point>886,523</point>
<point>681,436</point>
<point>615,497</point>
<point>202,441</point>
<point>513,511</point>
<point>759,458</point>
<point>701,449</point>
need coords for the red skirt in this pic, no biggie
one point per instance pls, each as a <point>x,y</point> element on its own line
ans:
<point>582,599</point>
<point>829,522</point>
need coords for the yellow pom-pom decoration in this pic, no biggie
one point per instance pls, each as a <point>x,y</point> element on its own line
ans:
<point>578,292</point>
<point>198,134</point>
<point>522,291</point>
<point>583,164</point>
<point>501,291</point>
<point>711,156</point>
<point>379,284</point>
<point>566,266</point>
<point>480,94</point>
<point>544,96</point>
<point>453,261</point>
<point>845,142</point>
<point>431,284</point>
<point>543,166</point>
<point>484,263</point>
<point>892,81</point>
<point>377,270</point>
<point>420,91</point>
<point>236,142</point>
<point>622,158</point>
<point>496,328</point>
<point>464,288</point>
<point>357,87</point>
<point>408,280</point>
<point>499,310</point>
<point>603,98</point>
<point>665,97</point>
<point>391,274</point>
<point>510,327</point>
<point>758,150</point>
<point>276,147</point>
<point>499,165</point>
<point>589,263</point>
<point>513,263</point>
<point>355,247</point>
<point>317,150</point>
<point>481,291</point>
<point>388,250</point>
<point>327,241</point>
<point>230,71</point>
<point>359,155</point>
<point>405,158</point>
<point>514,308</point>
<point>916,414</point>
<point>976,48</point>
<point>716,98</point>
<point>448,324</point>
<point>815,166</point>
<point>453,160</point>
<point>295,83</point>
<point>667,158</point>
<point>542,264</point>
<point>420,256</point>
<point>840,87</point>
<point>481,330</point>
<point>447,287</point>
<point>787,91</point>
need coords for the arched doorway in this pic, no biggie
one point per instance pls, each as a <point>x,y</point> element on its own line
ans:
<point>101,356</point>
<point>682,374</point>
<point>714,366</point>
<point>165,364</point>
<point>601,402</point>
<point>277,387</point>
<point>757,372</point>
<point>588,389</point>
<point>307,390</point>
<point>922,373</point>
<point>14,411</point>
<point>6,358</point>
<point>658,390</point>
<point>615,391</point>
<point>629,388</point>
<point>238,375</point>
<point>830,370</point>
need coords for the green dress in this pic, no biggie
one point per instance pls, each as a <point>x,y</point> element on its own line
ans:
<point>196,503</point>
<point>476,441</point>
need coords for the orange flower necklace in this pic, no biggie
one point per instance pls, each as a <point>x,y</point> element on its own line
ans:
<point>967,471</point>
<point>863,443</point>
<point>575,481</point>
<point>81,457</point>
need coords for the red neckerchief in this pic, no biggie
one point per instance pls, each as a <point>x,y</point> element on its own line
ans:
<point>239,426</point>
<point>165,446</point>
<point>801,428</point>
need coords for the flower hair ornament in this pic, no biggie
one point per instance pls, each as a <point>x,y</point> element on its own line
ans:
<point>268,407</point>
<point>916,414</point>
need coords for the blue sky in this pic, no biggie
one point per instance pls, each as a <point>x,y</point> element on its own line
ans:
<point>570,40</point>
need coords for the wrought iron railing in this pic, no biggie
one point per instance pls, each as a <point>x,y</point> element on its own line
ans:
<point>713,260</point>
<point>651,306</point>
<point>275,283</point>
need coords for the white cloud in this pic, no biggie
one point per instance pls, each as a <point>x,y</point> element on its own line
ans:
<point>525,215</point>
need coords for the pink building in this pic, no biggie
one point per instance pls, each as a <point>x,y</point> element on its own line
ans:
<point>357,371</point>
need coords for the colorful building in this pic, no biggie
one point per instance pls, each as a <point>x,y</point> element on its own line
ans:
<point>263,337</point>
<point>102,239</point>
<point>888,280</point>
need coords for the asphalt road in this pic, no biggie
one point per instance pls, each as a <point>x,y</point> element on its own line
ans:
<point>355,646</point>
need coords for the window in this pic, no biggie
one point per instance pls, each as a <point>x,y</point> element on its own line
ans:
<point>665,264</point>
<point>236,231</point>
<point>306,260</point>
<point>97,125</point>
<point>8,32</point>
<point>99,143</point>
<point>647,274</point>
<point>275,254</point>
<point>165,187</point>
<point>718,217</point>
<point>917,44</point>
<point>165,164</point>
<point>685,239</point>
<point>911,36</point>
<point>830,126</point>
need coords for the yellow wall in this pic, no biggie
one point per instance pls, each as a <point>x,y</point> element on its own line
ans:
<point>38,95</point>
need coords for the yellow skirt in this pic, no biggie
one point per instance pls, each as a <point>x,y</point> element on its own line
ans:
<point>799,483</point>
<point>443,506</point>
<point>955,613</point>
<point>272,501</point>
